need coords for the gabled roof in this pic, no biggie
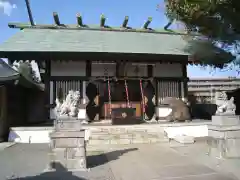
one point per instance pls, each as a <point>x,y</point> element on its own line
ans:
<point>98,40</point>
<point>7,73</point>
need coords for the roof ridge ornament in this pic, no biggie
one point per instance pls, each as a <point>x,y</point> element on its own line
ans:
<point>146,24</point>
<point>29,13</point>
<point>102,20</point>
<point>56,19</point>
<point>79,20</point>
<point>125,22</point>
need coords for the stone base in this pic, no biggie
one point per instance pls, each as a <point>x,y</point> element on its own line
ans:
<point>67,146</point>
<point>184,139</point>
<point>67,125</point>
<point>224,148</point>
<point>224,141</point>
<point>225,120</point>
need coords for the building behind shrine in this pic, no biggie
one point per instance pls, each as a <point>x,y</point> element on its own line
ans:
<point>204,88</point>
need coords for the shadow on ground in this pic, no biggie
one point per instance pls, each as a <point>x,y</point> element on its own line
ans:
<point>61,173</point>
<point>100,159</point>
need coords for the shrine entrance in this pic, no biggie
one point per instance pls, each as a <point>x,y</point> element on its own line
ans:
<point>106,97</point>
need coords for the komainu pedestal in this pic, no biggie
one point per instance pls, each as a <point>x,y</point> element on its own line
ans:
<point>224,136</point>
<point>67,145</point>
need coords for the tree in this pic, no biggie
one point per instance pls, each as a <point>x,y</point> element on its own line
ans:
<point>213,28</point>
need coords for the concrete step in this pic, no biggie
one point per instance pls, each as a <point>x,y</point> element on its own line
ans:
<point>121,137</point>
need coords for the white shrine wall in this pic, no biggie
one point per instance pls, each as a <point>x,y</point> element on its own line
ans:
<point>168,70</point>
<point>68,68</point>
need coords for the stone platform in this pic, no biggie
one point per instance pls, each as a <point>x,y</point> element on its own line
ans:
<point>103,133</point>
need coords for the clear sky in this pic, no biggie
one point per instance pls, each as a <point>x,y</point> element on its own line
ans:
<point>115,11</point>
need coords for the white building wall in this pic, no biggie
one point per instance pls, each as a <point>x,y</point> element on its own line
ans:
<point>167,70</point>
<point>68,68</point>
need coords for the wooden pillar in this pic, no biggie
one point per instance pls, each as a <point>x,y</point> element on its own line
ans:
<point>85,98</point>
<point>185,80</point>
<point>47,87</point>
<point>88,69</point>
<point>54,91</point>
<point>149,71</point>
<point>156,93</point>
<point>118,69</point>
<point>81,91</point>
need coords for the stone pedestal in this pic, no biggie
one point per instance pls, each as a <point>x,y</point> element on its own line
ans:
<point>224,137</point>
<point>225,120</point>
<point>67,145</point>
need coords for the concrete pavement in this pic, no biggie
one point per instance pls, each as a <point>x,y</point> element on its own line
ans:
<point>142,162</point>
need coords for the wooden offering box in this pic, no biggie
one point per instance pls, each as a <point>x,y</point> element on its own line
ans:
<point>114,105</point>
<point>121,116</point>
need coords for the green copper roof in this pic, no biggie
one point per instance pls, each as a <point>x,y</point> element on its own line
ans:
<point>99,40</point>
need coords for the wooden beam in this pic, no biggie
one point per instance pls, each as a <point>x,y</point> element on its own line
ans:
<point>102,20</point>
<point>146,24</point>
<point>79,20</point>
<point>125,22</point>
<point>56,19</point>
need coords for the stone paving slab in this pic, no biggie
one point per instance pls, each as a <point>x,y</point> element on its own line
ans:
<point>5,145</point>
<point>29,162</point>
<point>141,162</point>
<point>225,165</point>
<point>157,163</point>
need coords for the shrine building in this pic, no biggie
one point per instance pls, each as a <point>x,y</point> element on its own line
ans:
<point>111,67</point>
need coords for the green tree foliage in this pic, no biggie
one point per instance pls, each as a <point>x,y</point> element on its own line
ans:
<point>217,25</point>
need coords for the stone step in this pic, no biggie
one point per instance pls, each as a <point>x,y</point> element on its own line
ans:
<point>126,141</point>
<point>141,138</point>
<point>124,130</point>
<point>106,136</point>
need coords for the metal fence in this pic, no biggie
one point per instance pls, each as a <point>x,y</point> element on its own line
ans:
<point>62,87</point>
<point>169,89</point>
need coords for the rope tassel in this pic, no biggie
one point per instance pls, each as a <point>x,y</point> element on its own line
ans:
<point>126,89</point>
<point>109,96</point>
<point>143,100</point>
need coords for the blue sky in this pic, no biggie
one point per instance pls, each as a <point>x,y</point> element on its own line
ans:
<point>115,11</point>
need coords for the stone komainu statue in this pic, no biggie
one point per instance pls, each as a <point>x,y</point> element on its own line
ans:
<point>180,111</point>
<point>224,106</point>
